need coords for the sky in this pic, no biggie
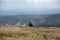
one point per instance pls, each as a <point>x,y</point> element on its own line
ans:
<point>31,5</point>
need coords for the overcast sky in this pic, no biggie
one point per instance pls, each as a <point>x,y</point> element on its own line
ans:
<point>35,4</point>
<point>29,4</point>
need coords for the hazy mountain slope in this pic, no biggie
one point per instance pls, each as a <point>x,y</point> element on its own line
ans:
<point>53,19</point>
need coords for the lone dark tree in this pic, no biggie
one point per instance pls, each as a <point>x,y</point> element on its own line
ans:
<point>30,24</point>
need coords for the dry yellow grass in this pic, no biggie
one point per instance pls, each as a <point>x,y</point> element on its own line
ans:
<point>28,33</point>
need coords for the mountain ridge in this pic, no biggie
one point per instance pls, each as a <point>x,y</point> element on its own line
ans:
<point>37,20</point>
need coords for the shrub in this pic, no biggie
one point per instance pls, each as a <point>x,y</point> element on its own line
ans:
<point>44,36</point>
<point>30,24</point>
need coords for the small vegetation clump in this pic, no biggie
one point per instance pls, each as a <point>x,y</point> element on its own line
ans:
<point>44,36</point>
<point>30,24</point>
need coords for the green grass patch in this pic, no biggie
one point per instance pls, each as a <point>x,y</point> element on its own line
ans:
<point>12,34</point>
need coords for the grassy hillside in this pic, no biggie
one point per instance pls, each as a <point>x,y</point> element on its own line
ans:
<point>29,33</point>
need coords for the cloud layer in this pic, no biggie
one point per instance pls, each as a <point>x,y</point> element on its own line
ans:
<point>29,4</point>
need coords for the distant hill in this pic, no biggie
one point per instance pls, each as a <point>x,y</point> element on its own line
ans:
<point>53,19</point>
<point>37,20</point>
